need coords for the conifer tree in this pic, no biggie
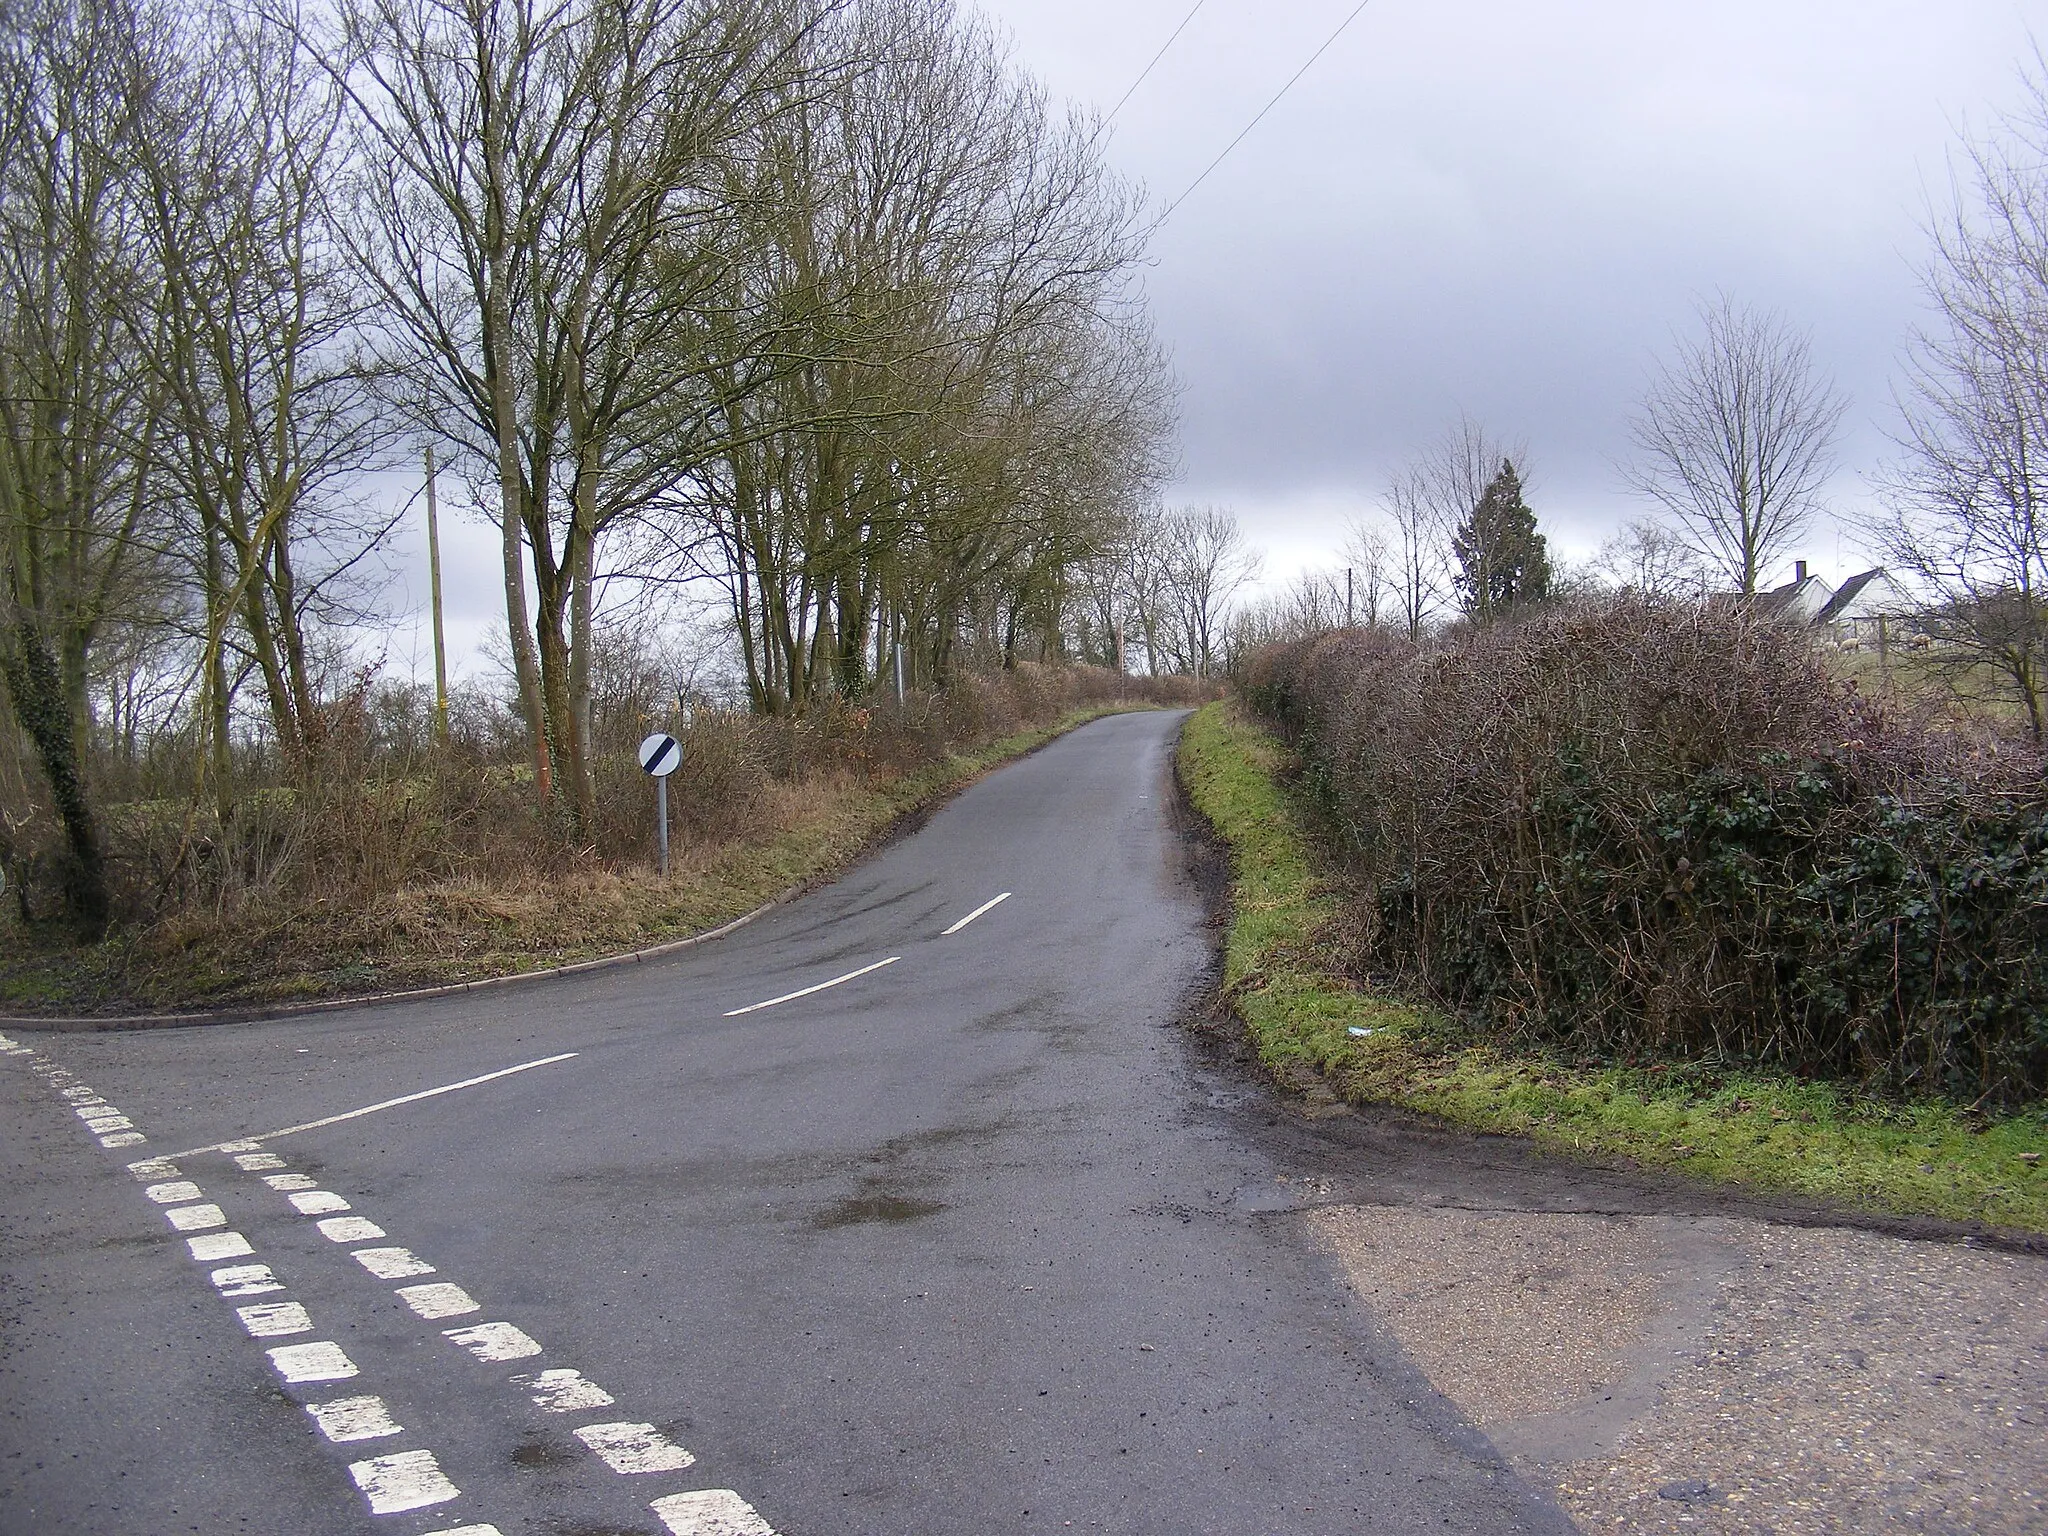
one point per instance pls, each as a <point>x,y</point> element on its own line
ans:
<point>1502,563</point>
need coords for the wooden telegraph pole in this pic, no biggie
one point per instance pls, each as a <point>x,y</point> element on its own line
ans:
<point>434,580</point>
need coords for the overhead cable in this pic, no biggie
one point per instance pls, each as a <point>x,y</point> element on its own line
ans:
<point>1269,106</point>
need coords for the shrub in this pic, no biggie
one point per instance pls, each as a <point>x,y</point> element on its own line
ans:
<point>1634,827</point>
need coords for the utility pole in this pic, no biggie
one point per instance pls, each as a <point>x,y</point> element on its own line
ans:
<point>434,579</point>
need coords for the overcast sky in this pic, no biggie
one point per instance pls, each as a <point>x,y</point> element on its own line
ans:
<point>1490,206</point>
<point>1507,209</point>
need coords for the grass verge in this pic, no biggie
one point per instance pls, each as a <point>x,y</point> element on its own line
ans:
<point>1767,1131</point>
<point>466,930</point>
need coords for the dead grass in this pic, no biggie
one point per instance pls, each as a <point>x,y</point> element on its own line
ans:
<point>470,927</point>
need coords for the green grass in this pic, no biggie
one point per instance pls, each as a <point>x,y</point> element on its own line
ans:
<point>1766,1131</point>
<point>424,936</point>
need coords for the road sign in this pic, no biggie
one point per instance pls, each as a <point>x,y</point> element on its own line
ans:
<point>660,753</point>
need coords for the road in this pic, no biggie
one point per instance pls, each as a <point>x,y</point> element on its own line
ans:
<point>976,1240</point>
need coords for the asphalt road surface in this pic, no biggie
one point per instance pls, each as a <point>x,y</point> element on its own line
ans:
<point>974,1241</point>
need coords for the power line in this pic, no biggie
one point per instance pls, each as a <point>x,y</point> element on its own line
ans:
<point>1269,106</point>
<point>1127,95</point>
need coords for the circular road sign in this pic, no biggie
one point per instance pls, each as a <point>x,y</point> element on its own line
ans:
<point>660,753</point>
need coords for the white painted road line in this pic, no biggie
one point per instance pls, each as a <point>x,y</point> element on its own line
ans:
<point>151,1168</point>
<point>563,1392</point>
<point>317,1202</point>
<point>215,1246</point>
<point>711,1512</point>
<point>406,1480</point>
<point>196,1218</point>
<point>354,1418</point>
<point>437,1300</point>
<point>245,1280</point>
<point>121,1139</point>
<point>174,1192</point>
<point>348,1229</point>
<point>491,1342</point>
<point>312,1362</point>
<point>284,1181</point>
<point>790,997</point>
<point>970,917</point>
<point>256,1162</point>
<point>634,1448</point>
<point>469,1530</point>
<point>274,1319</point>
<point>390,1263</point>
<point>248,1143</point>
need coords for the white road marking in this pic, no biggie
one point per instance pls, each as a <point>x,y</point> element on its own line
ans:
<point>6,1044</point>
<point>256,1162</point>
<point>318,1202</point>
<point>491,1342</point>
<point>711,1512</point>
<point>215,1246</point>
<point>196,1218</point>
<point>251,1143</point>
<point>274,1319</point>
<point>348,1229</point>
<point>470,1530</point>
<point>564,1392</point>
<point>634,1448</point>
<point>98,1123</point>
<point>354,1418</point>
<point>122,1139</point>
<point>405,1480</point>
<point>312,1362</point>
<point>154,1168</point>
<point>437,1300</point>
<point>82,1093</point>
<point>173,1192</point>
<point>970,917</point>
<point>790,997</point>
<point>391,1263</point>
<point>288,1181</point>
<point>245,1280</point>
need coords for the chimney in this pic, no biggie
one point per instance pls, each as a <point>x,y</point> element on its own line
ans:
<point>1799,570</point>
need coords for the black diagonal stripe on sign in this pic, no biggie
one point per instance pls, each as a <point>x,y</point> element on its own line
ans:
<point>661,755</point>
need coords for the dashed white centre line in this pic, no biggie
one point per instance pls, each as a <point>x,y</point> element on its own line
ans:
<point>256,1162</point>
<point>283,1181</point>
<point>790,997</point>
<point>173,1193</point>
<point>405,1480</point>
<point>634,1448</point>
<point>970,917</point>
<point>710,1512</point>
<point>316,1202</point>
<point>253,1143</point>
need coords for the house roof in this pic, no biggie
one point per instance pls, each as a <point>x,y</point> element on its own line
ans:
<point>1846,594</point>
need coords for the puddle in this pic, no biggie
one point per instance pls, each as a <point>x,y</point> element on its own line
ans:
<point>867,1208</point>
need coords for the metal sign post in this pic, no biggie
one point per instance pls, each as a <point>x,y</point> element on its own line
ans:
<point>659,755</point>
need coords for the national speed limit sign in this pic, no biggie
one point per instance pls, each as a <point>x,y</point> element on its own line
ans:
<point>660,753</point>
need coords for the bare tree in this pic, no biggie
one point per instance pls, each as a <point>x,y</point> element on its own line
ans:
<point>82,409</point>
<point>1735,438</point>
<point>1208,564</point>
<point>1654,559</point>
<point>1429,498</point>
<point>1967,501</point>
